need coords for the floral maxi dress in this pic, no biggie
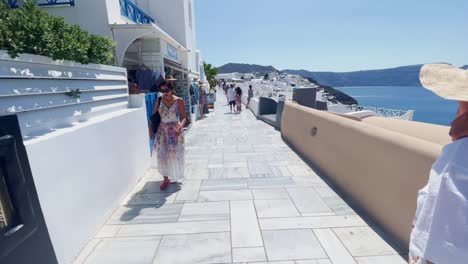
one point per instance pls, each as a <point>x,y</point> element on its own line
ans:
<point>168,147</point>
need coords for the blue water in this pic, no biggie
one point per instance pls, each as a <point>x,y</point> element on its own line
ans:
<point>429,108</point>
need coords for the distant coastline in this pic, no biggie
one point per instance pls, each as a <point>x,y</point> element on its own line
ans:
<point>399,76</point>
<point>428,107</point>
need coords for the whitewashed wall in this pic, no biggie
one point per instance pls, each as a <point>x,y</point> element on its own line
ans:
<point>34,87</point>
<point>91,15</point>
<point>86,154</point>
<point>83,173</point>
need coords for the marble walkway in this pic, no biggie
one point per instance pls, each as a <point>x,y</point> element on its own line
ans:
<point>247,198</point>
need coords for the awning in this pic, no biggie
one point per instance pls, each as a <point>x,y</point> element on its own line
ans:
<point>174,65</point>
<point>125,34</point>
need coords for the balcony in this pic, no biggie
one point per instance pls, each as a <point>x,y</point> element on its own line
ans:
<point>129,10</point>
<point>16,3</point>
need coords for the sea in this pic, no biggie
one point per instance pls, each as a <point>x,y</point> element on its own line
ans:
<point>428,107</point>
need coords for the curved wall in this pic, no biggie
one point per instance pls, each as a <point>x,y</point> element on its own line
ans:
<point>379,169</point>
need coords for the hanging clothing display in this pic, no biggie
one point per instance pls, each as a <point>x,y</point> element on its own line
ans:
<point>145,78</point>
<point>196,91</point>
<point>149,80</point>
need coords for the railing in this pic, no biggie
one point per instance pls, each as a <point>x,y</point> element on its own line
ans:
<point>275,92</point>
<point>134,13</point>
<point>16,3</point>
<point>393,113</point>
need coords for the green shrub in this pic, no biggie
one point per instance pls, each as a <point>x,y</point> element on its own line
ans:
<point>28,29</point>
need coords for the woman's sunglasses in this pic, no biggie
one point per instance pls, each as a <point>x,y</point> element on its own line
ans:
<point>164,91</point>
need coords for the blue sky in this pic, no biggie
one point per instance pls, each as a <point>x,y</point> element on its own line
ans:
<point>333,35</point>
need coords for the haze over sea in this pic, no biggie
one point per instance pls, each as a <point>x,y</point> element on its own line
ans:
<point>429,108</point>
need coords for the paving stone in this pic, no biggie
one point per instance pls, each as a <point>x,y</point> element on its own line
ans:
<point>205,211</point>
<point>174,228</point>
<point>223,184</point>
<point>124,250</point>
<point>244,148</point>
<point>308,201</point>
<point>292,244</point>
<point>194,248</point>
<point>228,195</point>
<point>108,231</point>
<point>268,194</point>
<point>338,205</point>
<point>315,261</point>
<point>317,214</point>
<point>237,172</point>
<point>283,162</point>
<point>217,173</point>
<point>363,241</point>
<point>267,182</point>
<point>197,173</point>
<point>230,164</point>
<point>252,254</point>
<point>325,191</point>
<point>259,167</point>
<point>235,158</point>
<point>274,262</point>
<point>280,171</point>
<point>392,259</point>
<point>311,222</point>
<point>309,181</point>
<point>152,198</point>
<point>275,208</point>
<point>189,191</point>
<point>146,214</point>
<point>245,230</point>
<point>153,187</point>
<point>301,171</point>
<point>335,250</point>
<point>263,148</point>
<point>89,248</point>
<point>215,165</point>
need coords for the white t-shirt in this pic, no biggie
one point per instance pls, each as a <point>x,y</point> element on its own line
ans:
<point>440,232</point>
<point>231,94</point>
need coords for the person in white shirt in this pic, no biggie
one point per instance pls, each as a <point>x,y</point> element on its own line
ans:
<point>440,232</point>
<point>231,97</point>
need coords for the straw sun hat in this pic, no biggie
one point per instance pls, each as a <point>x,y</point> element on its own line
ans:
<point>170,78</point>
<point>446,81</point>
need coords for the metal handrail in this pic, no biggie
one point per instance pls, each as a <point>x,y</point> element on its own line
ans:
<point>16,3</point>
<point>55,2</point>
<point>394,113</point>
<point>131,11</point>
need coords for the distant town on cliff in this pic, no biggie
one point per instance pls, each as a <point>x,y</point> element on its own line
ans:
<point>399,76</point>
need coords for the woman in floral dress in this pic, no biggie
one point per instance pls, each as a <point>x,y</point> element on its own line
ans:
<point>169,143</point>
<point>238,100</point>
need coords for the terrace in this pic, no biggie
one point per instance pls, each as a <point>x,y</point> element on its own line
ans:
<point>131,11</point>
<point>247,198</point>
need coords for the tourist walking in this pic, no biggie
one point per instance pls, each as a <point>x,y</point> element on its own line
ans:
<point>169,143</point>
<point>231,95</point>
<point>249,96</point>
<point>440,229</point>
<point>202,98</point>
<point>238,100</point>
<point>225,89</point>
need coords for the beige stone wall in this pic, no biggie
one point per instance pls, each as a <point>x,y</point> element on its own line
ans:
<point>380,169</point>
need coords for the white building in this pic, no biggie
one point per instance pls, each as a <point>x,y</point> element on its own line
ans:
<point>86,153</point>
<point>229,76</point>
<point>159,34</point>
<point>154,34</point>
